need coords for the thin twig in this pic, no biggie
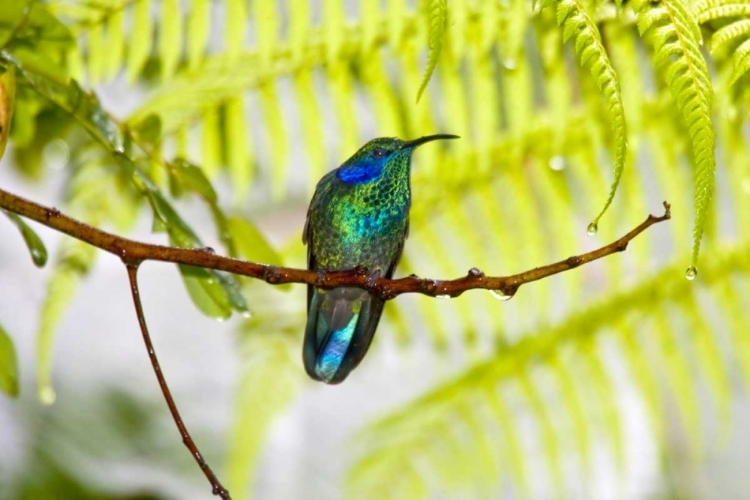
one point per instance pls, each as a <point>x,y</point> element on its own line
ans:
<point>131,251</point>
<point>216,486</point>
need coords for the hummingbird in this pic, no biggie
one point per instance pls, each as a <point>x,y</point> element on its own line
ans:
<point>358,216</point>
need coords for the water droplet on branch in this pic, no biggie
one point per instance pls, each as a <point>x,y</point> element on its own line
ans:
<point>501,295</point>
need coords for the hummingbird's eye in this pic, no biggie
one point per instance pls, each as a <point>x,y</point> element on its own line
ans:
<point>379,153</point>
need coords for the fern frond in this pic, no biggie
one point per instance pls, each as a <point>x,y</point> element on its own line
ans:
<point>676,42</point>
<point>729,33</point>
<point>741,59</point>
<point>577,24</point>
<point>141,39</point>
<point>263,358</point>
<point>170,37</point>
<point>198,29</point>
<point>403,436</point>
<point>706,13</point>
<point>438,14</point>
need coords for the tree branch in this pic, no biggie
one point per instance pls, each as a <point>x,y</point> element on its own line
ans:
<point>216,486</point>
<point>134,252</point>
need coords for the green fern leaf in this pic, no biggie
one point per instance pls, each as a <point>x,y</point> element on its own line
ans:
<point>729,33</point>
<point>170,37</point>
<point>741,59</point>
<point>706,13</point>
<point>141,40</point>
<point>74,262</point>
<point>198,25</point>
<point>438,15</point>
<point>579,25</point>
<point>676,41</point>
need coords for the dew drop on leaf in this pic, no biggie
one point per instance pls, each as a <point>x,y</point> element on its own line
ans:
<point>691,273</point>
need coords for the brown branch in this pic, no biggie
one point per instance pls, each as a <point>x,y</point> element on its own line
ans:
<point>217,488</point>
<point>135,252</point>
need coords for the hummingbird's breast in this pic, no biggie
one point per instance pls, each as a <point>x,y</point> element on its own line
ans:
<point>364,226</point>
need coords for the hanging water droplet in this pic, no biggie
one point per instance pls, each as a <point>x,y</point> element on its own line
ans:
<point>592,229</point>
<point>501,295</point>
<point>47,396</point>
<point>691,273</point>
<point>442,296</point>
<point>557,162</point>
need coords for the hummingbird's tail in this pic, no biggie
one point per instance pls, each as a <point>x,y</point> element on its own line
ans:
<point>340,326</point>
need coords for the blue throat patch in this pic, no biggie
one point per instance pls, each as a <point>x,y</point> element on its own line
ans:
<point>364,170</point>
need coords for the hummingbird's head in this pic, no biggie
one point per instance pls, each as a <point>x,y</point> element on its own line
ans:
<point>369,162</point>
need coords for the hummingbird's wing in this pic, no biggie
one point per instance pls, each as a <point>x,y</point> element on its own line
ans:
<point>307,239</point>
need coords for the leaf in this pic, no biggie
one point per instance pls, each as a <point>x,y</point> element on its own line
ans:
<point>189,177</point>
<point>96,55</point>
<point>140,40</point>
<point>149,130</point>
<point>8,365</point>
<point>40,25</point>
<point>7,103</point>
<point>115,42</point>
<point>206,293</point>
<point>236,25</point>
<point>170,37</point>
<point>36,246</point>
<point>251,244</point>
<point>42,65</point>
<point>675,37</point>
<point>238,142</point>
<point>74,262</point>
<point>578,25</point>
<point>438,15</point>
<point>263,359</point>
<point>198,24</point>
<point>215,293</point>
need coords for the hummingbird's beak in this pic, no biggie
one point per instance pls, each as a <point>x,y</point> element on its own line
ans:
<point>427,138</point>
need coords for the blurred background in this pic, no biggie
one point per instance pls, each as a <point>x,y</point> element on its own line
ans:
<point>620,379</point>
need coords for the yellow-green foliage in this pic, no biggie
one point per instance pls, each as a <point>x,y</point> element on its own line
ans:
<point>276,93</point>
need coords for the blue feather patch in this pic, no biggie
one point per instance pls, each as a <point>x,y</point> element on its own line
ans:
<point>364,170</point>
<point>330,360</point>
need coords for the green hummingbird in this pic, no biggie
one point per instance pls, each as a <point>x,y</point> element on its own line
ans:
<point>358,216</point>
